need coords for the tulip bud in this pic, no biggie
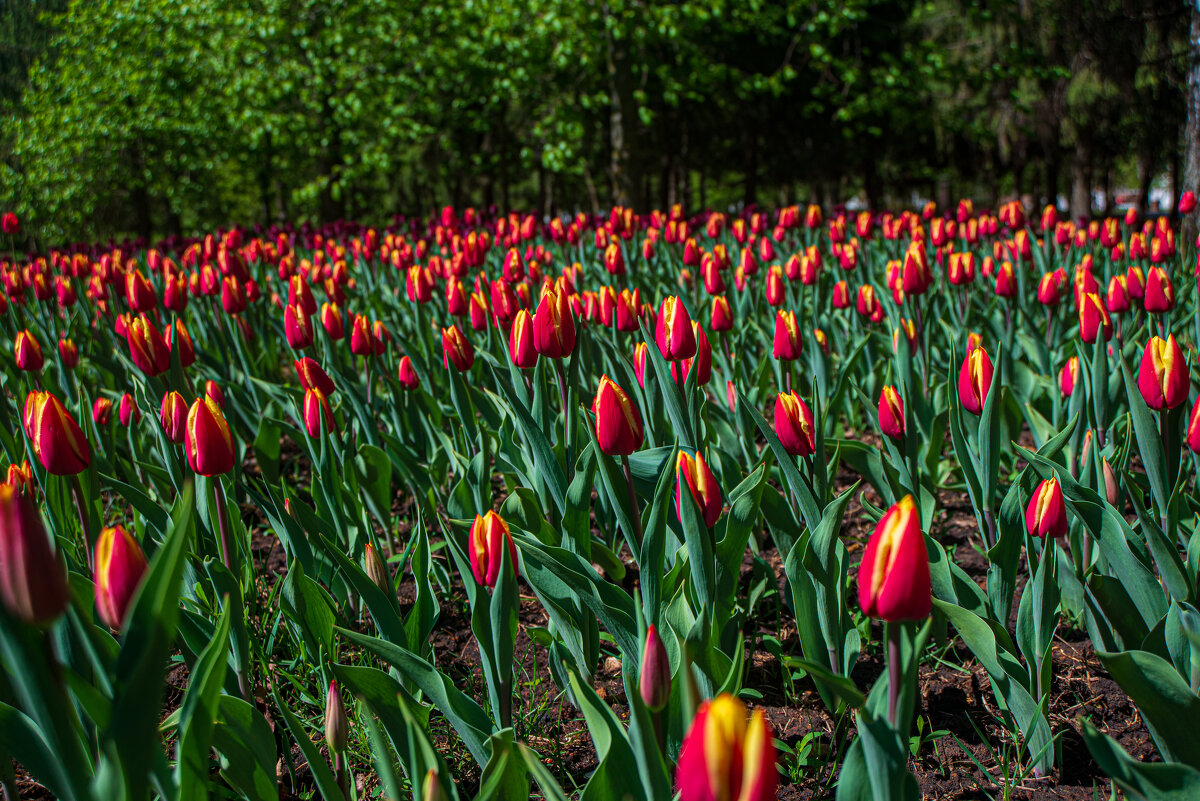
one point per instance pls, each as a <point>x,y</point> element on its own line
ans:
<point>891,413</point>
<point>56,438</point>
<point>1187,202</point>
<point>331,320</point>
<point>20,478</point>
<point>147,347</point>
<point>654,683</point>
<point>317,413</point>
<point>336,725</point>
<point>129,412</point>
<point>1093,319</point>
<point>1046,514</point>
<point>120,567</point>
<point>68,353</point>
<point>102,411</point>
<point>629,306</point>
<point>408,374</point>
<point>673,332</point>
<point>173,416</point>
<point>1193,428</point>
<point>618,424</point>
<point>312,376</point>
<point>1111,492</point>
<point>208,442</point>
<point>724,757</point>
<point>489,534</point>
<point>1160,295</point>
<point>722,316</point>
<point>554,325</point>
<point>893,579</point>
<point>456,349</point>
<point>975,380</point>
<point>787,345</point>
<point>297,328</point>
<point>213,390</point>
<point>9,223</point>
<point>27,352</point>
<point>695,475</point>
<point>33,583</point>
<point>841,295</point>
<point>1163,376</point>
<point>1068,377</point>
<point>794,424</point>
<point>376,570</point>
<point>521,341</point>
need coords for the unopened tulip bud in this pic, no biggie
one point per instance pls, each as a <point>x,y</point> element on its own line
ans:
<point>722,316</point>
<point>147,348</point>
<point>213,390</point>
<point>431,787</point>
<point>724,757</point>
<point>120,567</point>
<point>488,537</point>
<point>297,328</point>
<point>27,352</point>
<point>891,413</point>
<point>893,579</point>
<point>1163,376</point>
<point>312,376</point>
<point>408,374</point>
<point>331,320</point>
<point>618,424</point>
<point>457,349</point>
<point>102,411</point>
<point>1046,514</point>
<point>208,442</point>
<point>787,343</point>
<point>68,353</point>
<point>794,424</point>
<point>554,326</point>
<point>654,682</point>
<point>673,331</point>
<point>318,415</point>
<point>1068,377</point>
<point>56,438</point>
<point>1193,428</point>
<point>129,412</point>
<point>173,417</point>
<point>376,570</point>
<point>695,475</point>
<point>33,583</point>
<point>337,727</point>
<point>975,380</point>
<point>521,341</point>
<point>1111,490</point>
<point>1160,294</point>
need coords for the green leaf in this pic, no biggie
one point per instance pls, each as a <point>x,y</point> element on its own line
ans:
<point>1167,704</point>
<point>1170,781</point>
<point>197,715</point>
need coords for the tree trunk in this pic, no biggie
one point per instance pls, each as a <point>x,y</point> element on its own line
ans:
<point>623,163</point>
<point>1081,191</point>
<point>1191,170</point>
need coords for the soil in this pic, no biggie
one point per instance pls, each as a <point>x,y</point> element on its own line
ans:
<point>966,754</point>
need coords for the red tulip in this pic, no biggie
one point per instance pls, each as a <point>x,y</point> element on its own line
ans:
<point>618,424</point>
<point>1068,377</point>
<point>456,349</point>
<point>695,475</point>
<point>722,316</point>
<point>1046,514</point>
<point>147,348</point>
<point>893,579</point>
<point>9,223</point>
<point>102,411</point>
<point>208,442</point>
<point>297,328</point>
<point>331,320</point>
<point>1163,376</point>
<point>554,325</point>
<point>1049,287</point>
<point>317,413</point>
<point>172,415</point>
<point>27,352</point>
<point>213,390</point>
<point>794,424</point>
<point>33,583</point>
<point>120,567</point>
<point>129,412</point>
<point>1187,202</point>
<point>673,332</point>
<point>408,374</point>
<point>891,413</point>
<point>724,757</point>
<point>312,376</point>
<point>55,437</point>
<point>489,536</point>
<point>1193,428</point>
<point>362,341</point>
<point>787,345</point>
<point>139,292</point>
<point>1160,295</point>
<point>975,380</point>
<point>654,679</point>
<point>1093,319</point>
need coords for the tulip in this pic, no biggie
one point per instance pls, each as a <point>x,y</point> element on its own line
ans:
<point>722,316</point>
<point>787,345</point>
<point>362,341</point>
<point>975,380</point>
<point>208,442</point>
<point>1160,295</point>
<point>129,412</point>
<point>27,352</point>
<point>139,293</point>
<point>312,376</point>
<point>618,424</point>
<point>1093,319</point>
<point>33,583</point>
<point>893,579</point>
<point>702,360</point>
<point>336,724</point>
<point>1187,203</point>
<point>376,570</point>
<point>654,681</point>
<point>702,484</point>
<point>489,534</point>
<point>521,341</point>
<point>1006,282</point>
<point>891,413</point>
<point>776,288</point>
<point>629,306</point>
<point>1193,428</point>
<point>1163,376</point>
<point>55,437</point>
<point>724,757</point>
<point>9,223</point>
<point>297,327</point>
<point>213,390</point>
<point>639,363</point>
<point>1048,292</point>
<point>331,320</point>
<point>316,412</point>
<point>1117,297</point>
<point>173,416</point>
<point>177,332</point>
<point>120,567</point>
<point>456,349</point>
<point>147,347</point>
<point>1046,514</point>
<point>841,295</point>
<point>20,478</point>
<point>554,325</point>
<point>794,424</point>
<point>1068,377</point>
<point>408,374</point>
<point>233,295</point>
<point>673,332</point>
<point>102,411</point>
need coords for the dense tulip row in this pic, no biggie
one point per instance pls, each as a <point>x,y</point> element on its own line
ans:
<point>574,408</point>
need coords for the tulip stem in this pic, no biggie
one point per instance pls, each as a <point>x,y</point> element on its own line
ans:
<point>894,670</point>
<point>634,511</point>
<point>81,508</point>
<point>222,522</point>
<point>562,395</point>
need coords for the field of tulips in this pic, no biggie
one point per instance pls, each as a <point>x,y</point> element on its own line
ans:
<point>795,504</point>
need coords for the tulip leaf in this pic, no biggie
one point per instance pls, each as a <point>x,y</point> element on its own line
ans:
<point>246,744</point>
<point>322,776</point>
<point>374,470</point>
<point>745,501</point>
<point>550,789</point>
<point>616,774</point>
<point>504,775</point>
<point>669,391</point>
<point>380,604</point>
<point>545,466</point>
<point>698,541</point>
<point>1150,444</point>
<point>1170,781</point>
<point>1168,705</point>
<point>197,716</point>
<point>21,739</point>
<point>800,490</point>
<point>653,555</point>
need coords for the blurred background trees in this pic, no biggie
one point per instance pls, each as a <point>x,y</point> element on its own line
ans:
<point>151,118</point>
